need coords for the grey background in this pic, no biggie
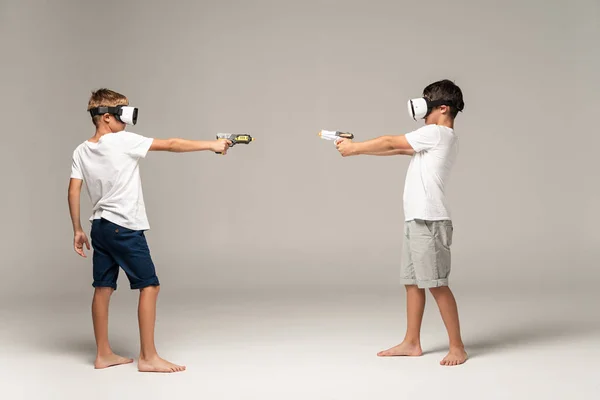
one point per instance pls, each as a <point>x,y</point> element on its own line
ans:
<point>287,209</point>
<point>287,214</point>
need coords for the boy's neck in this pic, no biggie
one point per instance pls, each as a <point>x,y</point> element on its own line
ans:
<point>447,122</point>
<point>101,131</point>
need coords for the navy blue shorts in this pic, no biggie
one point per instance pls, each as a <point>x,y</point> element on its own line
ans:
<point>116,246</point>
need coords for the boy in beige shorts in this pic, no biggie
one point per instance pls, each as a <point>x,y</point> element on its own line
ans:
<point>428,226</point>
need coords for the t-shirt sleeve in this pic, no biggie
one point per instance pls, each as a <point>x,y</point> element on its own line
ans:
<point>425,138</point>
<point>135,145</point>
<point>76,167</point>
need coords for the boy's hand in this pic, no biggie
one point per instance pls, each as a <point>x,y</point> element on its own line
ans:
<point>79,241</point>
<point>346,147</point>
<point>221,146</point>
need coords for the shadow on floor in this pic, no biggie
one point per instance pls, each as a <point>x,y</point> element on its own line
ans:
<point>518,336</point>
<point>86,348</point>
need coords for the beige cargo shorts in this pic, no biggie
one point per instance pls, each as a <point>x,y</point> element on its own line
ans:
<point>426,253</point>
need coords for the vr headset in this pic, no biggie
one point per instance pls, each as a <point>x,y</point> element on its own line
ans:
<point>127,115</point>
<point>421,107</point>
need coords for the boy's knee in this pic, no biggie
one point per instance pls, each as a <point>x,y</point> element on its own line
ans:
<point>436,291</point>
<point>104,291</point>
<point>151,289</point>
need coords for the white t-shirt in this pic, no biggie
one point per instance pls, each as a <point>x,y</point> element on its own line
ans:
<point>110,172</point>
<point>435,148</point>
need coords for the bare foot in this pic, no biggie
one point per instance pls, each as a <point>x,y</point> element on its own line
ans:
<point>456,356</point>
<point>157,364</point>
<point>403,349</point>
<point>110,361</point>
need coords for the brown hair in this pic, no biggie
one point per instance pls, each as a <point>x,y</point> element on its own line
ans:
<point>105,98</point>
<point>446,90</point>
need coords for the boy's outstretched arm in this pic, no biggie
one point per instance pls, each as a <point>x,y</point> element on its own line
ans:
<point>177,145</point>
<point>80,237</point>
<point>391,153</point>
<point>381,146</point>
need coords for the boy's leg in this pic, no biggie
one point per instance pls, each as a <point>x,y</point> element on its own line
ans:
<point>415,303</point>
<point>131,251</point>
<point>106,272</point>
<point>449,311</point>
<point>149,360</point>
<point>415,306</point>
<point>105,357</point>
<point>432,270</point>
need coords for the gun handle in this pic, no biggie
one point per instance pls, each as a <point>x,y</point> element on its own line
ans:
<point>232,144</point>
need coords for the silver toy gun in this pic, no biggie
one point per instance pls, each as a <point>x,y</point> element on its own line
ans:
<point>235,138</point>
<point>335,135</point>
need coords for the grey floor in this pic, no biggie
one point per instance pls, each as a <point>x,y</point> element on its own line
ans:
<point>307,344</point>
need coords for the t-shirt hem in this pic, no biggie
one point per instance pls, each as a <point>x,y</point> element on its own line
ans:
<point>426,218</point>
<point>146,148</point>
<point>412,142</point>
<point>119,221</point>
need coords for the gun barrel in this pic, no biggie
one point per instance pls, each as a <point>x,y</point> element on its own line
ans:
<point>236,137</point>
<point>335,135</point>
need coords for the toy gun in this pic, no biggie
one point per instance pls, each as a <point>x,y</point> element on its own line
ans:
<point>235,138</point>
<point>335,135</point>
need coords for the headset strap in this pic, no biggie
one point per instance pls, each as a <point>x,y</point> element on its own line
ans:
<point>104,110</point>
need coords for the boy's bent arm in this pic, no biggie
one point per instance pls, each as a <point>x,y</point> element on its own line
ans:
<point>177,145</point>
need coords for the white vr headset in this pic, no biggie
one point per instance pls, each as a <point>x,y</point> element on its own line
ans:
<point>421,107</point>
<point>125,114</point>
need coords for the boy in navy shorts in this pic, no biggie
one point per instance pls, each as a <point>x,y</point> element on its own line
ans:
<point>108,165</point>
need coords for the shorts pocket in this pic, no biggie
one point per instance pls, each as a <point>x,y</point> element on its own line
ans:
<point>427,227</point>
<point>444,234</point>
